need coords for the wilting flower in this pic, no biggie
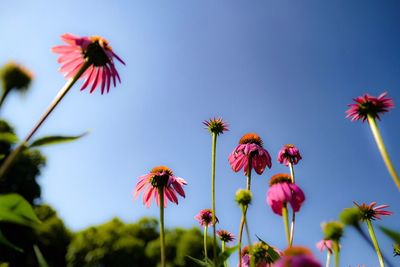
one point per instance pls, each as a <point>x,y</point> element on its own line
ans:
<point>93,50</point>
<point>205,217</point>
<point>369,105</point>
<point>370,212</point>
<point>297,257</point>
<point>289,154</point>
<point>15,76</point>
<point>261,254</point>
<point>225,236</point>
<point>283,191</point>
<point>216,125</point>
<point>160,177</point>
<point>325,244</point>
<point>250,148</point>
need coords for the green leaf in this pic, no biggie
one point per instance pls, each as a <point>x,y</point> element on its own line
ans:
<point>55,139</point>
<point>4,241</point>
<point>271,251</point>
<point>223,256</point>
<point>39,256</point>
<point>8,137</point>
<point>203,263</point>
<point>15,209</point>
<point>395,236</point>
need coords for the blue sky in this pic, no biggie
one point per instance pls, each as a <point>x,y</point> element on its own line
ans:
<point>283,69</point>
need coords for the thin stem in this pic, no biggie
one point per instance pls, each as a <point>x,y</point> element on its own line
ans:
<point>205,241</point>
<point>162,234</point>
<point>293,213</point>
<point>13,155</point>
<point>223,249</point>
<point>328,259</point>
<point>213,156</point>
<point>285,217</point>
<point>4,95</point>
<point>375,242</point>
<point>383,151</point>
<point>336,251</point>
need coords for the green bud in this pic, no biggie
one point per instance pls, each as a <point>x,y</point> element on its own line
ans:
<point>333,230</point>
<point>350,216</point>
<point>243,197</point>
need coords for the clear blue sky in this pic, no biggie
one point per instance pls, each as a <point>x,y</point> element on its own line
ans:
<point>283,69</point>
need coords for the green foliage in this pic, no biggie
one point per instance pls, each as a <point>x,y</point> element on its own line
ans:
<point>41,260</point>
<point>55,139</point>
<point>15,209</point>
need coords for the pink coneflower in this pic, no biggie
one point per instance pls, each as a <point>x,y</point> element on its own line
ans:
<point>325,244</point>
<point>289,154</point>
<point>370,212</point>
<point>94,51</point>
<point>283,191</point>
<point>297,257</point>
<point>159,177</point>
<point>250,147</point>
<point>216,125</point>
<point>205,217</point>
<point>225,236</point>
<point>369,105</point>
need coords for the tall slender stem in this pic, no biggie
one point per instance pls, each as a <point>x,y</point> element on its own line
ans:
<point>205,241</point>
<point>244,209</point>
<point>4,95</point>
<point>162,234</point>
<point>328,259</point>
<point>336,251</point>
<point>285,217</point>
<point>383,151</point>
<point>213,156</point>
<point>13,155</point>
<point>223,249</point>
<point>375,242</point>
<point>293,213</point>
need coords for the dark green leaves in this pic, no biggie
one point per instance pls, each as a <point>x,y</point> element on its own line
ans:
<point>15,209</point>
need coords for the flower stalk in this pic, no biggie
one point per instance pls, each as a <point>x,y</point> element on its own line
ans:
<point>293,213</point>
<point>328,259</point>
<point>382,149</point>
<point>336,251</point>
<point>213,156</point>
<point>375,242</point>
<point>205,241</point>
<point>162,234</point>
<point>285,217</point>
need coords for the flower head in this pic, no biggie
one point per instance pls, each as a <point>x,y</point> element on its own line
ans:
<point>289,154</point>
<point>297,257</point>
<point>369,105</point>
<point>93,50</point>
<point>250,148</point>
<point>225,236</point>
<point>261,253</point>
<point>370,212</point>
<point>15,76</point>
<point>325,244</point>
<point>159,178</point>
<point>243,197</point>
<point>333,230</point>
<point>205,217</point>
<point>283,191</point>
<point>216,125</point>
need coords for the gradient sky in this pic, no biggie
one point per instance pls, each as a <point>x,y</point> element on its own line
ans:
<point>283,69</point>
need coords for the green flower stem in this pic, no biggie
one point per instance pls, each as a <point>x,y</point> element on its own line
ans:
<point>162,234</point>
<point>285,217</point>
<point>373,238</point>
<point>383,151</point>
<point>293,213</point>
<point>205,241</point>
<point>213,156</point>
<point>328,259</point>
<point>336,251</point>
<point>13,155</point>
<point>244,212</point>
<point>223,249</point>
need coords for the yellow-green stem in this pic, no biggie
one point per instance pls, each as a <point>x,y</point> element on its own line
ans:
<point>328,259</point>
<point>213,156</point>
<point>293,213</point>
<point>162,234</point>
<point>285,217</point>
<point>13,155</point>
<point>336,251</point>
<point>383,151</point>
<point>205,241</point>
<point>375,242</point>
<point>223,249</point>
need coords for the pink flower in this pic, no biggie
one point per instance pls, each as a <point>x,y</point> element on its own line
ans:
<point>250,147</point>
<point>205,217</point>
<point>283,191</point>
<point>370,212</point>
<point>216,125</point>
<point>369,105</point>
<point>225,236</point>
<point>94,50</point>
<point>160,177</point>
<point>325,244</point>
<point>297,257</point>
<point>289,154</point>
